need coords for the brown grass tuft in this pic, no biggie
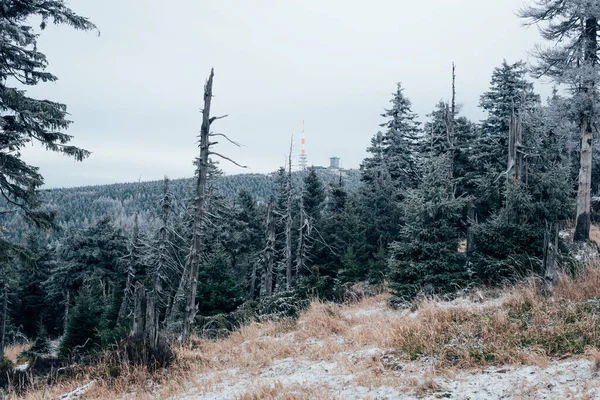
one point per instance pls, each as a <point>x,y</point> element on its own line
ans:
<point>594,355</point>
<point>12,352</point>
<point>376,344</point>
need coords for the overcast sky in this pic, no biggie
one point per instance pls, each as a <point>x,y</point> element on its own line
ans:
<point>134,92</point>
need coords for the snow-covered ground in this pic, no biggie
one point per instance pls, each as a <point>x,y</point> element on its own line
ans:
<point>358,371</point>
<point>566,379</point>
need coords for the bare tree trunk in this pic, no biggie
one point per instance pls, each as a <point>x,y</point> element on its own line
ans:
<point>470,223</point>
<point>515,145</point>
<point>588,88</point>
<point>270,251</point>
<point>550,257</point>
<point>139,310</point>
<point>151,323</point>
<point>199,202</point>
<point>3,321</point>
<point>301,251</point>
<point>130,271</point>
<point>582,229</point>
<point>288,226</point>
<point>450,126</point>
<point>179,295</point>
<point>253,282</point>
<point>162,263</point>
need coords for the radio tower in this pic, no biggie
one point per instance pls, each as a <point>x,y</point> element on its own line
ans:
<point>302,158</point>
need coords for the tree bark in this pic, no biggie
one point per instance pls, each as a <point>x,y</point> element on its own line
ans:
<point>199,202</point>
<point>582,228</point>
<point>450,127</point>
<point>139,310</point>
<point>515,144</point>
<point>301,251</point>
<point>130,271</point>
<point>587,88</point>
<point>151,322</point>
<point>288,226</point>
<point>550,257</point>
<point>253,282</point>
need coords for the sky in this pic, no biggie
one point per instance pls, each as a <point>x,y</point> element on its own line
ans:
<point>135,91</point>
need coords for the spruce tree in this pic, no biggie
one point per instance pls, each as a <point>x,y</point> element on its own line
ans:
<point>30,311</point>
<point>426,252</point>
<point>435,144</point>
<point>509,244</point>
<point>93,253</point>
<point>509,90</point>
<point>400,140</point>
<point>219,290</point>
<point>392,168</point>
<point>572,27</point>
<point>23,119</point>
<point>82,333</point>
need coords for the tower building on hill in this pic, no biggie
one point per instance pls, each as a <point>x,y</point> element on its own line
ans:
<point>334,162</point>
<point>302,159</point>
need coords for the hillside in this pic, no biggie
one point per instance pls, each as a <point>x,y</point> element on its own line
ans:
<point>80,206</point>
<point>510,343</point>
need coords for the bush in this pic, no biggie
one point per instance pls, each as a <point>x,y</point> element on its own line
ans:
<point>136,350</point>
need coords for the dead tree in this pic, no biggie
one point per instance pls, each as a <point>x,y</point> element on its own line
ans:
<point>515,148</point>
<point>145,318</point>
<point>200,202</point>
<point>253,279</point>
<point>162,262</point>
<point>288,224</point>
<point>270,251</point>
<point>303,233</point>
<point>450,126</point>
<point>139,310</point>
<point>131,270</point>
<point>151,322</point>
<point>550,257</point>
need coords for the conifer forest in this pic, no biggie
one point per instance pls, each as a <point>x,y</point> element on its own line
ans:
<point>150,274</point>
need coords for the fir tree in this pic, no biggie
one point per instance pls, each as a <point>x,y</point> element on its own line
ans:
<point>23,119</point>
<point>392,168</point>
<point>33,271</point>
<point>219,290</point>
<point>509,244</point>
<point>400,140</point>
<point>509,90</point>
<point>426,252</point>
<point>82,333</point>
<point>572,26</point>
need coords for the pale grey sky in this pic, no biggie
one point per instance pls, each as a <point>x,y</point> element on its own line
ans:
<point>135,91</point>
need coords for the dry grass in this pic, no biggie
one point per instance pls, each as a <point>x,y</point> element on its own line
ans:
<point>376,344</point>
<point>527,329</point>
<point>281,391</point>
<point>594,355</point>
<point>12,352</point>
<point>595,234</point>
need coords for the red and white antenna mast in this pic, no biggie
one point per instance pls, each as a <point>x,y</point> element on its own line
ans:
<point>302,158</point>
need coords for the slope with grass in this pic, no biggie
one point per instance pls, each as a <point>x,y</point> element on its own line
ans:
<point>489,345</point>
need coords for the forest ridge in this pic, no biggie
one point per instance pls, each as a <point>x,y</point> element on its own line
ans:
<point>121,275</point>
